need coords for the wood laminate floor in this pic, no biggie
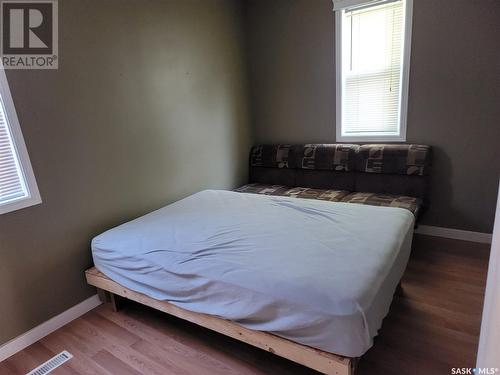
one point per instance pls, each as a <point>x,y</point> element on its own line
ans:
<point>433,326</point>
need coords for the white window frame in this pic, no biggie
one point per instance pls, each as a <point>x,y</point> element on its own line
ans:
<point>339,5</point>
<point>23,160</point>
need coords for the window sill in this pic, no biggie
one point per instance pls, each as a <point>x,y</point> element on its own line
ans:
<point>19,204</point>
<point>366,138</point>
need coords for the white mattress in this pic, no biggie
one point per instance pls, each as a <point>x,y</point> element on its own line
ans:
<point>319,273</point>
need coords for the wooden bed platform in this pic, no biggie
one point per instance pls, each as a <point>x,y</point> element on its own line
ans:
<point>321,361</point>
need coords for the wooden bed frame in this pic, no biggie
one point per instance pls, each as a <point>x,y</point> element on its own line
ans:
<point>324,362</point>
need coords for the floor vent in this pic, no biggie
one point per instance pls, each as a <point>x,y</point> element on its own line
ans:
<point>51,364</point>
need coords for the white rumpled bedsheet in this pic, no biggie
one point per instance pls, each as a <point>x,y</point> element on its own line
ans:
<point>319,273</point>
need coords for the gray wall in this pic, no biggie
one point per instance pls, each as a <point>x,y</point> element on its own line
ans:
<point>149,105</point>
<point>454,101</point>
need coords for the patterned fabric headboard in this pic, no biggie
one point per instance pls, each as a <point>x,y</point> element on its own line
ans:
<point>378,168</point>
<point>334,157</point>
<point>412,160</point>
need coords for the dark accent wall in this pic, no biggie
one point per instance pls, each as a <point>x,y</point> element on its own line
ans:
<point>148,105</point>
<point>454,99</point>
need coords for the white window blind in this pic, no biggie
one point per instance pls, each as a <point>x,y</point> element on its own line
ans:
<point>12,184</point>
<point>371,75</point>
<point>18,187</point>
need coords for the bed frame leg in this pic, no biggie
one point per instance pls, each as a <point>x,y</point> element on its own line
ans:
<point>114,302</point>
<point>354,366</point>
<point>102,295</point>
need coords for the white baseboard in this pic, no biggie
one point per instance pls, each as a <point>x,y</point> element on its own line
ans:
<point>456,234</point>
<point>33,335</point>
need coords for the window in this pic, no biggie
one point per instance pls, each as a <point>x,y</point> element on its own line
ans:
<point>17,183</point>
<point>372,62</point>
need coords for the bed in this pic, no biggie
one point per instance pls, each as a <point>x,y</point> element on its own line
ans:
<point>318,273</point>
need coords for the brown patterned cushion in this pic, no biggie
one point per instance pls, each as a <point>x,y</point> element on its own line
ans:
<point>396,159</point>
<point>321,194</point>
<point>410,203</point>
<point>270,156</point>
<point>296,192</point>
<point>335,157</point>
<point>262,189</point>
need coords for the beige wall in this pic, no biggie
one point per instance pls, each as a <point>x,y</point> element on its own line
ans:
<point>148,105</point>
<point>454,101</point>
